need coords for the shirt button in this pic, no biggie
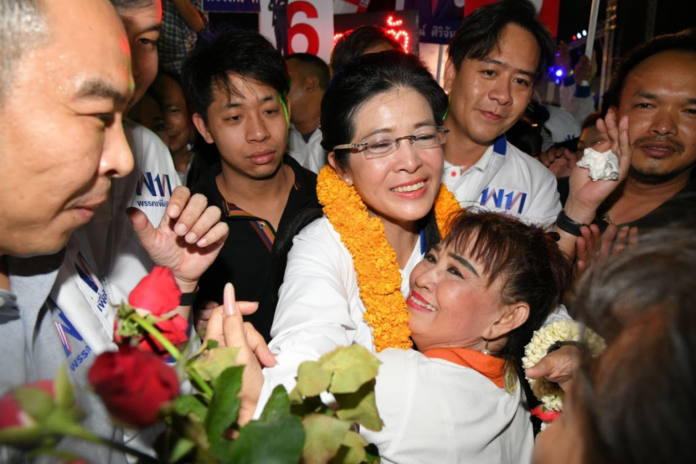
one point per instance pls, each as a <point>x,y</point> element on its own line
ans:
<point>262,225</point>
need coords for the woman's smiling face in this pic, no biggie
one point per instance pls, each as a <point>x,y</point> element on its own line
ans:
<point>452,303</point>
<point>402,186</point>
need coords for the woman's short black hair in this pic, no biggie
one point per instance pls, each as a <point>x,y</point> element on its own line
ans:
<point>365,77</point>
<point>244,53</point>
<point>355,42</point>
<point>684,41</point>
<point>480,32</point>
<point>534,270</point>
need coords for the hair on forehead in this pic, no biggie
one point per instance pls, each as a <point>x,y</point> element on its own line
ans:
<point>480,32</point>
<point>23,25</point>
<point>684,41</point>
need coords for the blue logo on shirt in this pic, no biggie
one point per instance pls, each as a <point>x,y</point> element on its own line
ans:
<point>511,199</point>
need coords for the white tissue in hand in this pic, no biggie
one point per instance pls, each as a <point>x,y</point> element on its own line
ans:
<point>604,166</point>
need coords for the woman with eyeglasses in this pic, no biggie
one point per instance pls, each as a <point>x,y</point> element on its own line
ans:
<point>381,125</point>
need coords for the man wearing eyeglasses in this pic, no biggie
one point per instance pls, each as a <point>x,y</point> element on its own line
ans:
<point>495,58</point>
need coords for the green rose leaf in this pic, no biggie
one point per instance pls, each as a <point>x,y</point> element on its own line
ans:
<point>225,404</point>
<point>312,379</point>
<point>65,397</point>
<point>278,441</point>
<point>182,447</point>
<point>352,450</point>
<point>21,437</point>
<point>278,405</point>
<point>360,407</point>
<point>35,402</point>
<point>211,364</point>
<point>351,367</point>
<point>325,435</point>
<point>190,404</point>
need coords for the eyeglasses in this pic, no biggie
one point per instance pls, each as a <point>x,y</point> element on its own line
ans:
<point>379,145</point>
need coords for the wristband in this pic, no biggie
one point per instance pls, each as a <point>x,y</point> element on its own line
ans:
<point>566,224</point>
<point>559,344</point>
<point>187,299</point>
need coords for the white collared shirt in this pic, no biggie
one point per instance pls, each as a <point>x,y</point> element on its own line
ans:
<point>309,154</point>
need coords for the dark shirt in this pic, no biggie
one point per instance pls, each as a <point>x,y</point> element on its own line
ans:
<point>245,258</point>
<point>680,210</point>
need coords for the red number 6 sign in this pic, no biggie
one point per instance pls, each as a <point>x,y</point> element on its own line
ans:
<point>303,29</point>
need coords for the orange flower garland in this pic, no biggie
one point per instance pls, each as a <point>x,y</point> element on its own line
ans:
<point>375,262</point>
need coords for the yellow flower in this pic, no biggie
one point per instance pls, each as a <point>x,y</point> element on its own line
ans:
<point>374,259</point>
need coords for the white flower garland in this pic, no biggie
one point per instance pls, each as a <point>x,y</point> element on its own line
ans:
<point>550,394</point>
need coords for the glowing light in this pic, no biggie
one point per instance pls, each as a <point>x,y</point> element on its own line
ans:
<point>337,37</point>
<point>559,73</point>
<point>584,33</point>
<point>558,81</point>
<point>400,35</point>
<point>392,23</point>
<point>575,37</point>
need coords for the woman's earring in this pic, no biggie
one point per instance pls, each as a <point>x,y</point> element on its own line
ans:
<point>485,350</point>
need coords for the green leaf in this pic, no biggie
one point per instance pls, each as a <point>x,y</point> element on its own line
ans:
<point>372,454</point>
<point>214,362</point>
<point>224,405</point>
<point>278,405</point>
<point>351,367</point>
<point>65,396</point>
<point>276,442</point>
<point>352,450</point>
<point>360,407</point>
<point>190,404</point>
<point>182,447</point>
<point>212,344</point>
<point>295,396</point>
<point>35,402</point>
<point>324,437</point>
<point>21,437</point>
<point>310,405</point>
<point>312,379</point>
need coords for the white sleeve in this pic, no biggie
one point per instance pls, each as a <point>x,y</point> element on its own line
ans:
<point>546,203</point>
<point>316,309</point>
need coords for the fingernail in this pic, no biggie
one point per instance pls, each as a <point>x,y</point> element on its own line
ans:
<point>191,237</point>
<point>228,306</point>
<point>180,229</point>
<point>172,210</point>
<point>202,242</point>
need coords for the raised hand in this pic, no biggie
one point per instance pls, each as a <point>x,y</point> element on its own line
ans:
<point>559,160</point>
<point>585,194</point>
<point>187,240</point>
<point>227,327</point>
<point>595,247</point>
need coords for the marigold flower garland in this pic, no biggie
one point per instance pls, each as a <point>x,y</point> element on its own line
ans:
<point>374,259</point>
<point>550,394</point>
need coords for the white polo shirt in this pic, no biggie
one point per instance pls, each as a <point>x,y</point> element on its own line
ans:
<point>309,154</point>
<point>506,180</point>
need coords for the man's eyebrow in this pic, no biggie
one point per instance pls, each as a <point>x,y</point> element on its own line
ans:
<point>464,263</point>
<point>531,74</point>
<point>98,89</point>
<point>646,95</point>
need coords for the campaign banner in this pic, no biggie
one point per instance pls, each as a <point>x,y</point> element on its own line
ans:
<point>298,26</point>
<point>237,6</point>
<point>548,11</point>
<point>438,32</point>
<point>350,6</point>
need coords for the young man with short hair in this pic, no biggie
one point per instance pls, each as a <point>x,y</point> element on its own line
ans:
<point>236,84</point>
<point>496,56</point>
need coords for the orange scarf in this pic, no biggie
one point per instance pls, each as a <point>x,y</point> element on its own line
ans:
<point>486,365</point>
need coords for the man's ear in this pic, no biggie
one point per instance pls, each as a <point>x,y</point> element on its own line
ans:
<point>450,75</point>
<point>202,128</point>
<point>343,175</point>
<point>311,84</point>
<point>510,318</point>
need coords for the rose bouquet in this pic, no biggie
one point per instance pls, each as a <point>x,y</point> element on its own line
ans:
<point>139,385</point>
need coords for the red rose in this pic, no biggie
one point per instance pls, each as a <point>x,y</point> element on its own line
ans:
<point>157,292</point>
<point>11,414</point>
<point>174,330</point>
<point>133,385</point>
<point>546,415</point>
